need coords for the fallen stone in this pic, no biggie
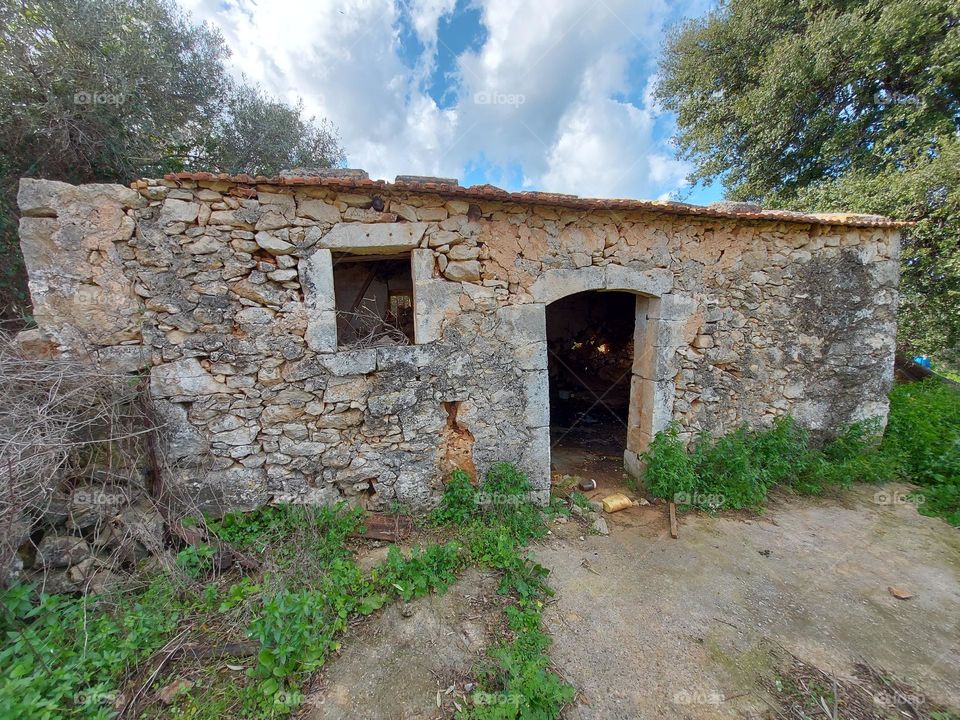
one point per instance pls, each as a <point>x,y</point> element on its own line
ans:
<point>60,551</point>
<point>899,592</point>
<point>599,527</point>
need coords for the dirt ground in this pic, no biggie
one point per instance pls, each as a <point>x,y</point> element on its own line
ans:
<point>698,627</point>
<point>648,627</point>
<point>413,660</point>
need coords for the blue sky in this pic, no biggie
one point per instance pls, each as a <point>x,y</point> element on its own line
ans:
<point>551,95</point>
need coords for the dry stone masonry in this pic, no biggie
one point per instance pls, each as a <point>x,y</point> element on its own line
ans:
<point>223,290</point>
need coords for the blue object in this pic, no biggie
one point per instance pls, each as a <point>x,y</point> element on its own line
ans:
<point>922,361</point>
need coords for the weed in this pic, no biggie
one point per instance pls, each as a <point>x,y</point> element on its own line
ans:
<point>64,657</point>
<point>459,502</point>
<point>921,445</point>
<point>515,679</point>
<point>196,560</point>
<point>433,568</point>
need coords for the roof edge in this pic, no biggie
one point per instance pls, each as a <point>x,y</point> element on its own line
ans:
<point>450,189</point>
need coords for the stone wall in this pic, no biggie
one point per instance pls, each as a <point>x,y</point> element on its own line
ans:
<point>223,291</point>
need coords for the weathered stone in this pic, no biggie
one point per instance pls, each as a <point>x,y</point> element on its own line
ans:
<point>373,238</point>
<point>178,211</point>
<point>273,245</point>
<point>40,198</point>
<point>316,278</point>
<point>462,271</point>
<point>57,551</point>
<point>346,389</point>
<point>319,210</point>
<point>183,378</point>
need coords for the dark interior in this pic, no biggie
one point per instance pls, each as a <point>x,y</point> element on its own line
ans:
<point>590,343</point>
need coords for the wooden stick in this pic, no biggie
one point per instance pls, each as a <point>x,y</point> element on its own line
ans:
<point>673,520</point>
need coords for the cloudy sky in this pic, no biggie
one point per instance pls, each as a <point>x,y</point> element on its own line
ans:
<point>524,94</point>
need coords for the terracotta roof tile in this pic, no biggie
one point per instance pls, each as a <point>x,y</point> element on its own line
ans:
<point>572,202</point>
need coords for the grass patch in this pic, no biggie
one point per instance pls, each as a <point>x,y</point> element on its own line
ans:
<point>68,657</point>
<point>496,521</point>
<point>921,445</point>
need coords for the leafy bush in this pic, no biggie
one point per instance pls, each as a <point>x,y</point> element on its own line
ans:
<point>433,568</point>
<point>459,501</point>
<point>733,471</point>
<point>921,445</point>
<point>923,442</point>
<point>65,656</point>
<point>495,522</point>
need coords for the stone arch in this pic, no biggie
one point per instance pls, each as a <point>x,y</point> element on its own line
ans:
<point>555,284</point>
<point>659,316</point>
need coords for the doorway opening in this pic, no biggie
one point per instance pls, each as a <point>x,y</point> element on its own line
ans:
<point>590,337</point>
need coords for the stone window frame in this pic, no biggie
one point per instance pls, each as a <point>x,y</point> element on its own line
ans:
<point>319,297</point>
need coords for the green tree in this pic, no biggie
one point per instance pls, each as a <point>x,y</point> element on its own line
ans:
<point>834,105</point>
<point>111,90</point>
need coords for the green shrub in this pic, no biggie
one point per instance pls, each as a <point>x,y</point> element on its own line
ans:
<point>428,569</point>
<point>459,501</point>
<point>64,657</point>
<point>733,471</point>
<point>921,445</point>
<point>923,442</point>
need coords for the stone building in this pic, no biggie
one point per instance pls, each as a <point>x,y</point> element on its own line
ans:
<point>310,338</point>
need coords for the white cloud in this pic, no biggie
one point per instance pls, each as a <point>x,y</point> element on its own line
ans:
<point>569,61</point>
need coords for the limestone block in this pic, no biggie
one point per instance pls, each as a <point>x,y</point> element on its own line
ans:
<point>535,460</point>
<point>651,405</point>
<point>316,279</point>
<point>273,244</point>
<point>557,283</point>
<point>40,198</point>
<point>521,325</point>
<point>319,210</point>
<point>463,271</point>
<point>350,362</point>
<point>671,306</point>
<point>347,389</point>
<point>178,211</point>
<point>184,378</point>
<point>81,294</point>
<point>654,282</point>
<point>373,238</point>
<point>532,356</point>
<point>536,398</point>
<point>181,440</point>
<point>434,301</point>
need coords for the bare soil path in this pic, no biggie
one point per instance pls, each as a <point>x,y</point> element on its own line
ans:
<point>651,627</point>
<point>699,627</point>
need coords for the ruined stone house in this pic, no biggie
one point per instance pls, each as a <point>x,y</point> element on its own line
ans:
<point>313,338</point>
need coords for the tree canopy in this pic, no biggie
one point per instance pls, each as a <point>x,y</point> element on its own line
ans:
<point>834,105</point>
<point>112,90</point>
